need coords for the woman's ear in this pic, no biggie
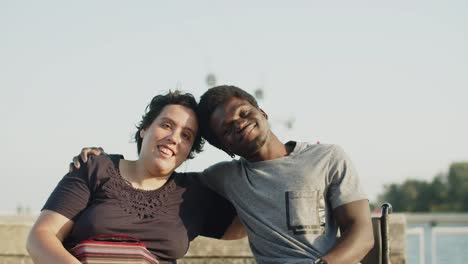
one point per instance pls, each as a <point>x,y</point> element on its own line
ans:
<point>142,133</point>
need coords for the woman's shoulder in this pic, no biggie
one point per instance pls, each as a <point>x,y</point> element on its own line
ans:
<point>102,162</point>
<point>98,168</point>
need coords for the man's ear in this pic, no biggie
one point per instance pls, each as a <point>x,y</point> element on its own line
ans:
<point>263,113</point>
<point>142,133</point>
<point>232,155</point>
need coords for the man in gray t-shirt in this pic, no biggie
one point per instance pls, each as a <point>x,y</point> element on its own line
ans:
<point>292,197</point>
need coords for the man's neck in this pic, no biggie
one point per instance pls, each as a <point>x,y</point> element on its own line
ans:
<point>272,149</point>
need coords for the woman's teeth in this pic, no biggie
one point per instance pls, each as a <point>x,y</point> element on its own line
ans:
<point>165,151</point>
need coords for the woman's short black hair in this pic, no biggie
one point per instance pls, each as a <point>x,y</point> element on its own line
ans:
<point>210,100</point>
<point>155,107</point>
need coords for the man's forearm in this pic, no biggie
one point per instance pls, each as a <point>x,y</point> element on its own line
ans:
<point>357,236</point>
<point>351,247</point>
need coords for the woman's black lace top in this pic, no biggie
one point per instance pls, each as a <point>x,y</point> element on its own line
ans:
<point>100,201</point>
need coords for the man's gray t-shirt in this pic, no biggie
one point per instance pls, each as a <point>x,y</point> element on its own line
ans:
<point>286,204</point>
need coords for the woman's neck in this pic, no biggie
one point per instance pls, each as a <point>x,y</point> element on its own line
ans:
<point>140,177</point>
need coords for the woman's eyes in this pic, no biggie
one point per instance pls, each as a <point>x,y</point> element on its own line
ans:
<point>186,136</point>
<point>165,125</point>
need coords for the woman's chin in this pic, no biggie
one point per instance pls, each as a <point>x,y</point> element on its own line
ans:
<point>165,167</point>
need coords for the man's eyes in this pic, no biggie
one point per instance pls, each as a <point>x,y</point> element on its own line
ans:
<point>244,113</point>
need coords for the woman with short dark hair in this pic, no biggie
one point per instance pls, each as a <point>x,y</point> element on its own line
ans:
<point>144,198</point>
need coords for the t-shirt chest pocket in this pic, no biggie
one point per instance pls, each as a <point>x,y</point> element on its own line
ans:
<point>305,212</point>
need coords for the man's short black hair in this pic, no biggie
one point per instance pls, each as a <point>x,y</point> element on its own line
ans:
<point>210,100</point>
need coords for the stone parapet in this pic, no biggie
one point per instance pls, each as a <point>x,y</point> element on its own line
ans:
<point>13,233</point>
<point>203,246</point>
<point>14,230</point>
<point>397,238</point>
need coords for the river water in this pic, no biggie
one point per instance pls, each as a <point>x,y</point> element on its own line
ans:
<point>446,244</point>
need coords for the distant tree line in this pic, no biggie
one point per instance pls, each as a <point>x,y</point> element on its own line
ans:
<point>445,193</point>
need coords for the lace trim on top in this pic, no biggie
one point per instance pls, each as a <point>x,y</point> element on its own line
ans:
<point>143,203</point>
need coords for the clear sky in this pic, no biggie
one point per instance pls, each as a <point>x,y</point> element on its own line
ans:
<point>386,80</point>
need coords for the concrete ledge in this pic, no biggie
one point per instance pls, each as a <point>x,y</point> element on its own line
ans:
<point>13,239</point>
<point>437,218</point>
<point>207,260</point>
<point>14,230</point>
<point>397,238</point>
<point>15,260</point>
<point>202,247</point>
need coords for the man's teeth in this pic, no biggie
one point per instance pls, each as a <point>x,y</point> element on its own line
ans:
<point>246,129</point>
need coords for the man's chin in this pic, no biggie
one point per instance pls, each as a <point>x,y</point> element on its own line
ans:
<point>250,151</point>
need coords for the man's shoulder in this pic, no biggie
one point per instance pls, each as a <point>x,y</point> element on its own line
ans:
<point>319,154</point>
<point>222,169</point>
<point>223,166</point>
<point>314,149</point>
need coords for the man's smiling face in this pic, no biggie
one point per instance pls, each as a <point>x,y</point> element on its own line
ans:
<point>240,127</point>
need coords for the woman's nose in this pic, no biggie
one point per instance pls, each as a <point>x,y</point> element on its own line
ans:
<point>174,137</point>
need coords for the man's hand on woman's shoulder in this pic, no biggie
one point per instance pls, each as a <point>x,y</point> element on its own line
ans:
<point>83,156</point>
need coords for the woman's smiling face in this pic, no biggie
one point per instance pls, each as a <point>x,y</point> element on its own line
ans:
<point>168,140</point>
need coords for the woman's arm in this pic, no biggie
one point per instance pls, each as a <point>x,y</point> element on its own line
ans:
<point>44,242</point>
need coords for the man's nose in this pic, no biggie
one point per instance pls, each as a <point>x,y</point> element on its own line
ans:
<point>240,123</point>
